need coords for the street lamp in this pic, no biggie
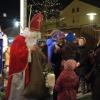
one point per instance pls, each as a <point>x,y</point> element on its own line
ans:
<point>4,15</point>
<point>91,16</point>
<point>17,23</point>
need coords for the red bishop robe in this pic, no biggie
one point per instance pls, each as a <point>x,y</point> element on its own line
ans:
<point>18,61</point>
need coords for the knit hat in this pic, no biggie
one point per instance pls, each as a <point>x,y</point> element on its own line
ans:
<point>70,37</point>
<point>57,35</point>
<point>70,64</point>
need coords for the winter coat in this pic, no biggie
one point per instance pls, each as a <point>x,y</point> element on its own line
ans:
<point>83,61</point>
<point>96,90</point>
<point>67,85</point>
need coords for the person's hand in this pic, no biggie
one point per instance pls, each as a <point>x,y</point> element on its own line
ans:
<point>57,48</point>
<point>35,48</point>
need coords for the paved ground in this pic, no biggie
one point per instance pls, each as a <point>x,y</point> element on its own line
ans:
<point>86,96</point>
<point>51,82</point>
<point>80,96</point>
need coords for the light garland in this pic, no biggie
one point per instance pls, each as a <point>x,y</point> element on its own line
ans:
<point>48,7</point>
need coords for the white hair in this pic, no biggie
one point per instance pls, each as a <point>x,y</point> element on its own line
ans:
<point>31,37</point>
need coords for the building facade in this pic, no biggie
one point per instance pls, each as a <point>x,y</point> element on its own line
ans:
<point>75,14</point>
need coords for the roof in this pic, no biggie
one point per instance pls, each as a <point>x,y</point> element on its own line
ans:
<point>65,3</point>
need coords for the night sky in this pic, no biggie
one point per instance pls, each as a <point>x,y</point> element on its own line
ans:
<point>12,9</point>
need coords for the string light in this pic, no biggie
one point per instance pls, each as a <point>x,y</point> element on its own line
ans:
<point>48,7</point>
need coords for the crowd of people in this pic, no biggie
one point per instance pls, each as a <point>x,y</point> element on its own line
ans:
<point>75,67</point>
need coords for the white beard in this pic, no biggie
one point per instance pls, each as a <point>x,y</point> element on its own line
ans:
<point>30,42</point>
<point>31,37</point>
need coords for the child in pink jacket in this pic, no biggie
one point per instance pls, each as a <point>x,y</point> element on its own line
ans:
<point>68,82</point>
